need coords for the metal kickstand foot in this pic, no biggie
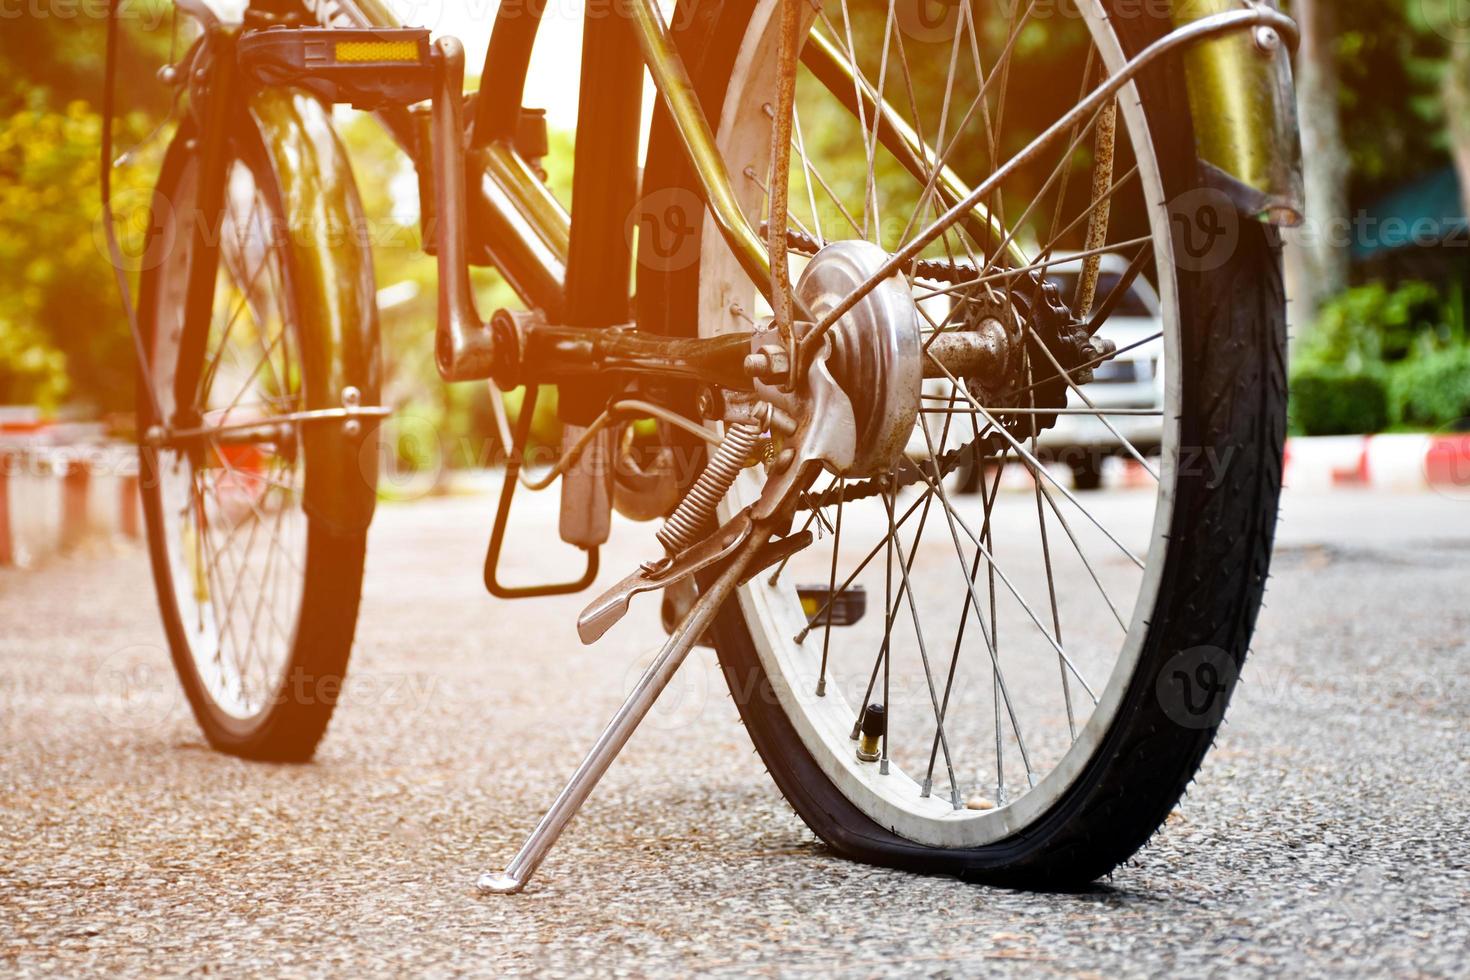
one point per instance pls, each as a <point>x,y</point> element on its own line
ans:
<point>616,735</point>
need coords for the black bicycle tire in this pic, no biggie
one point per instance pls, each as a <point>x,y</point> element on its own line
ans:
<point>315,672</point>
<point>1215,570</point>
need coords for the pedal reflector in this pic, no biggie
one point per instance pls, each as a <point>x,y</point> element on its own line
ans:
<point>367,68</point>
<point>397,52</point>
<point>848,605</point>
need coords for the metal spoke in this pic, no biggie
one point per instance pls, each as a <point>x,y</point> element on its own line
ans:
<point>1099,415</point>
<point>242,567</point>
<point>1011,274</point>
<point>216,573</point>
<point>801,636</point>
<point>751,175</point>
<point>991,641</point>
<point>887,654</point>
<point>959,638</point>
<point>871,135</point>
<point>955,519</point>
<point>943,157</point>
<point>1089,412</point>
<point>1087,364</point>
<point>857,75</point>
<point>812,170</point>
<point>806,169</point>
<point>1046,495</point>
<point>1051,585</point>
<point>831,590</point>
<point>1041,469</point>
<point>908,591</point>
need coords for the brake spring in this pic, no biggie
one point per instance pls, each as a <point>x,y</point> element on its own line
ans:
<point>689,521</point>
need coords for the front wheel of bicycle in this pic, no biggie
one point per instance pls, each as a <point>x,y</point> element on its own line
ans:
<point>259,599</point>
<point>1052,667</point>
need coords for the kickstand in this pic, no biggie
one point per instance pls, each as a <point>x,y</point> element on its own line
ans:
<point>618,731</point>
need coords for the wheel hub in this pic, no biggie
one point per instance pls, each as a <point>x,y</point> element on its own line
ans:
<point>875,355</point>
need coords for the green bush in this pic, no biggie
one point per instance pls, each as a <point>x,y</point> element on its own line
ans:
<point>1373,324</point>
<point>1432,390</point>
<point>1331,401</point>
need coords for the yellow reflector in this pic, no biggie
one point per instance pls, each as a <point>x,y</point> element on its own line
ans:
<point>360,51</point>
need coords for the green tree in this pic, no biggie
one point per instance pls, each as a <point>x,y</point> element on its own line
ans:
<point>62,332</point>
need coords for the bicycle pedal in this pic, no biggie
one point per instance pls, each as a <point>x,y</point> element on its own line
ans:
<point>366,68</point>
<point>848,605</point>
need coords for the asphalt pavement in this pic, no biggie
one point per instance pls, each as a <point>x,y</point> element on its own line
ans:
<point>1327,834</point>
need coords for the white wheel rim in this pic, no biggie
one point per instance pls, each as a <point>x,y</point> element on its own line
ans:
<point>237,586</point>
<point>773,612</point>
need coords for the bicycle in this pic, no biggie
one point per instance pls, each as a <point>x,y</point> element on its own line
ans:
<point>824,323</point>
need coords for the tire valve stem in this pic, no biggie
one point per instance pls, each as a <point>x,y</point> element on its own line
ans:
<point>871,731</point>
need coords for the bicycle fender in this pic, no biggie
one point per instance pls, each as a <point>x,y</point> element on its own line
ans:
<point>331,262</point>
<point>1243,102</point>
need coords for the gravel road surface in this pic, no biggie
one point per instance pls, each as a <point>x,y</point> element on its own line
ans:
<point>1328,833</point>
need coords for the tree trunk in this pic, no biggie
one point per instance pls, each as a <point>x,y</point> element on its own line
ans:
<point>1456,92</point>
<point>1322,243</point>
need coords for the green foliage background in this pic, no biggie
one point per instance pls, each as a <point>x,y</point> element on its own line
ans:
<point>62,334</point>
<point>63,341</point>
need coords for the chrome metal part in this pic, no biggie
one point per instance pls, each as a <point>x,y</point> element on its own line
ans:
<point>875,349</point>
<point>618,731</point>
<point>693,517</point>
<point>826,432</point>
<point>163,436</point>
<point>878,352</point>
<point>464,346</point>
<point>770,363</point>
<point>586,487</point>
<point>607,609</point>
<point>1245,112</point>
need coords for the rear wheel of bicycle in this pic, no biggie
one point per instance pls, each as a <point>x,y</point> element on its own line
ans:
<point>1052,667</point>
<point>259,600</point>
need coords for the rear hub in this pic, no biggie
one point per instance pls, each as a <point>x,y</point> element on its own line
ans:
<point>876,352</point>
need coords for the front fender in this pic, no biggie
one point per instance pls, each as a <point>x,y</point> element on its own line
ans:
<point>1245,122</point>
<point>330,254</point>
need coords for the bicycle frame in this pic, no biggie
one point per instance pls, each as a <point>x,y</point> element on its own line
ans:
<point>1252,146</point>
<point>577,273</point>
